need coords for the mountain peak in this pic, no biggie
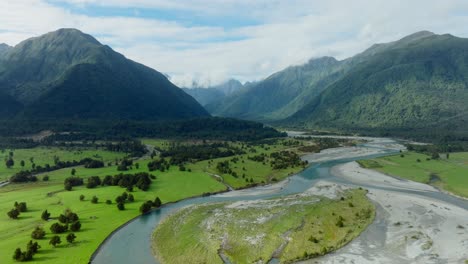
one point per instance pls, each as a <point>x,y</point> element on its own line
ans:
<point>4,48</point>
<point>417,36</point>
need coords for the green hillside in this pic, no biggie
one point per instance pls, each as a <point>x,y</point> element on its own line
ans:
<point>419,82</point>
<point>281,94</point>
<point>69,74</point>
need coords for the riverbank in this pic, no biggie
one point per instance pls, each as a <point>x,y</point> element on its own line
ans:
<point>448,172</point>
<point>414,228</point>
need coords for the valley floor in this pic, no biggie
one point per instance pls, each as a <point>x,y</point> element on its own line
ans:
<point>101,219</point>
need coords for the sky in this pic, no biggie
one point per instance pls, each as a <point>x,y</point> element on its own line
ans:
<point>210,41</point>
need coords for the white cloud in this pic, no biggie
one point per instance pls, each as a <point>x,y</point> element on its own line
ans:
<point>288,32</point>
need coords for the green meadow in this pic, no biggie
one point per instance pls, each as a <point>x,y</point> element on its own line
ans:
<point>99,220</point>
<point>42,155</point>
<point>450,174</point>
<point>289,228</point>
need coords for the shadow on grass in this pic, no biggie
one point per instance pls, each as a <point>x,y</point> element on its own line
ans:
<point>44,255</point>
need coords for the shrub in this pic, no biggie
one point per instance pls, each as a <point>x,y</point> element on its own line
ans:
<point>33,246</point>
<point>45,178</point>
<point>13,213</point>
<point>94,200</point>
<point>157,202</point>
<point>38,233</point>
<point>55,240</point>
<point>57,228</point>
<point>82,197</point>
<point>71,238</point>
<point>121,206</point>
<point>45,215</point>
<point>146,207</point>
<point>22,207</point>
<point>108,202</point>
<point>76,226</point>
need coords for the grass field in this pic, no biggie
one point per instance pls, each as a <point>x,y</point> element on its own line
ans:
<point>99,220</point>
<point>246,169</point>
<point>42,156</point>
<point>290,228</point>
<point>449,174</point>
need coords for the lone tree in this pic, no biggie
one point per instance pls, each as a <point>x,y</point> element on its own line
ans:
<point>157,202</point>
<point>55,240</point>
<point>9,163</point>
<point>33,247</point>
<point>146,207</point>
<point>130,198</point>
<point>82,197</point>
<point>121,206</point>
<point>17,254</point>
<point>76,226</point>
<point>22,207</point>
<point>13,213</point>
<point>71,238</point>
<point>38,233</point>
<point>94,200</point>
<point>45,215</point>
<point>73,172</point>
<point>22,163</point>
<point>68,186</point>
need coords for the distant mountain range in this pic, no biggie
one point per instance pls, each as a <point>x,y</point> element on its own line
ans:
<point>416,83</point>
<point>67,74</point>
<point>209,95</point>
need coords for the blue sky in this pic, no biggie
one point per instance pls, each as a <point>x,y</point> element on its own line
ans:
<point>211,41</point>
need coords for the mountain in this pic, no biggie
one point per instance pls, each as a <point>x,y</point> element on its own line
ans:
<point>67,74</point>
<point>205,96</point>
<point>419,83</point>
<point>3,49</point>
<point>215,93</point>
<point>283,93</point>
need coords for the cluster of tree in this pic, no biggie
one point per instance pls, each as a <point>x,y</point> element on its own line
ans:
<point>17,210</point>
<point>224,167</point>
<point>286,159</point>
<point>121,199</point>
<point>182,153</point>
<point>55,240</point>
<point>31,249</point>
<point>146,206</point>
<point>141,180</point>
<point>68,217</point>
<point>134,147</point>
<point>28,175</point>
<point>434,150</point>
<point>93,164</point>
<point>72,181</point>
<point>125,164</point>
<point>69,220</point>
<point>93,182</point>
<point>17,143</point>
<point>198,128</point>
<point>159,164</point>
<point>258,158</point>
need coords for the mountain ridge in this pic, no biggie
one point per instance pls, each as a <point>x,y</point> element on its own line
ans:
<point>38,71</point>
